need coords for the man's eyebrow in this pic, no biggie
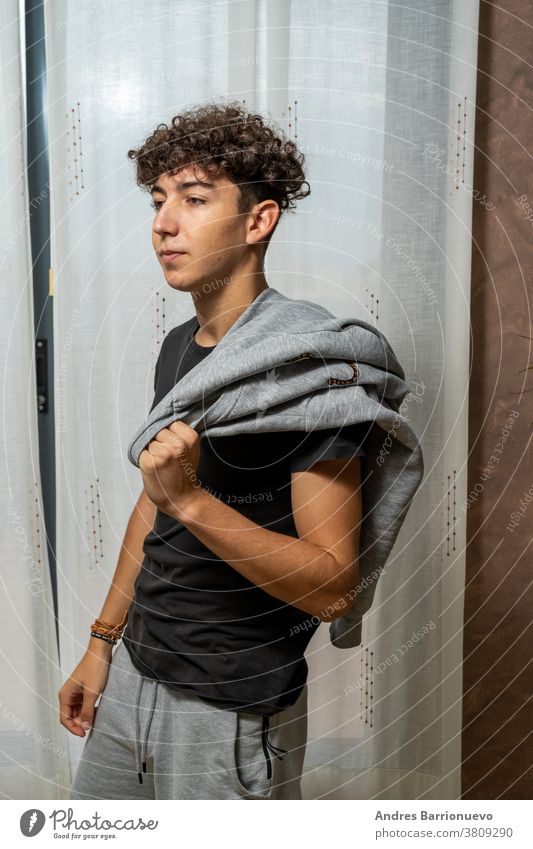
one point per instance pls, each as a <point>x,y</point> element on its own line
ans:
<point>182,187</point>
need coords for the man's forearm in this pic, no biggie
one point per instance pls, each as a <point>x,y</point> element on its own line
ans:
<point>291,569</point>
<point>130,559</point>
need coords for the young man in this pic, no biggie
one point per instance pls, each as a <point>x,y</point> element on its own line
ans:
<point>206,695</point>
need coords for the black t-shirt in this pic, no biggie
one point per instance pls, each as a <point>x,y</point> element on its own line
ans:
<point>197,624</point>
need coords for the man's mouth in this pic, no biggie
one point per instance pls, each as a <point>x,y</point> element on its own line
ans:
<point>169,256</point>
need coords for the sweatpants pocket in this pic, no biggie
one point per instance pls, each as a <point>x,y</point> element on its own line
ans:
<point>252,763</point>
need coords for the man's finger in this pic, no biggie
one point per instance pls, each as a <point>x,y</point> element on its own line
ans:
<point>165,437</point>
<point>158,453</point>
<point>182,429</point>
<point>167,450</point>
<point>71,726</point>
<point>67,718</point>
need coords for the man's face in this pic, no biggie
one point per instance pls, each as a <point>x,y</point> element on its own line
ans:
<point>198,233</point>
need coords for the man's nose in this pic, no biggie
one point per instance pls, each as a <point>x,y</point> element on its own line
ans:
<point>167,219</point>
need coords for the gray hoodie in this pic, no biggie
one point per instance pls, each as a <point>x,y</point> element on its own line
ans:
<point>289,364</point>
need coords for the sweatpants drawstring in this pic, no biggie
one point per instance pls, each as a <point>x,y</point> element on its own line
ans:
<point>141,744</point>
<point>267,745</point>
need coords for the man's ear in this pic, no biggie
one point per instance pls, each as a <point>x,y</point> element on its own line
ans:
<point>263,218</point>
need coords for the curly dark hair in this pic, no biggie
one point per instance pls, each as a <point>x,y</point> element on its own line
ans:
<point>227,139</point>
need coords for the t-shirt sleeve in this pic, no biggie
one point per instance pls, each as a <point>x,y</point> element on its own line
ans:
<point>330,444</point>
<point>157,392</point>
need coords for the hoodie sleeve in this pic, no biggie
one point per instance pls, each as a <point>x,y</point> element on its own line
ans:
<point>329,444</point>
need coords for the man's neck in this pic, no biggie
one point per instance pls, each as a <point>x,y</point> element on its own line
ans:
<point>217,312</point>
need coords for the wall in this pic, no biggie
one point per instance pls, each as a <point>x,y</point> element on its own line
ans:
<point>497,753</point>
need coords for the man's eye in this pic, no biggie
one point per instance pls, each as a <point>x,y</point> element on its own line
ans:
<point>157,204</point>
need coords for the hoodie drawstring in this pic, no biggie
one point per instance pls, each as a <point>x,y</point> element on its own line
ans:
<point>268,746</point>
<point>141,743</point>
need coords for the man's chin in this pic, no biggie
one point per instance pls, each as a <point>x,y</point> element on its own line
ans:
<point>177,281</point>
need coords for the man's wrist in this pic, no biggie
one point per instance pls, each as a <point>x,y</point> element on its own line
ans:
<point>101,648</point>
<point>189,508</point>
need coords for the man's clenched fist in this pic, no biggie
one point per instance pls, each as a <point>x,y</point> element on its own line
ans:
<point>168,466</point>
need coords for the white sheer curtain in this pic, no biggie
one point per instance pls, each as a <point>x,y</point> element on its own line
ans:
<point>380,98</point>
<point>34,761</point>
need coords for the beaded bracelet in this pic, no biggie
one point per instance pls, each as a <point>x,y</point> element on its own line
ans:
<point>114,632</point>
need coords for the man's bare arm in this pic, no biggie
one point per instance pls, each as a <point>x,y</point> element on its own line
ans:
<point>130,559</point>
<point>80,692</point>
<point>313,572</point>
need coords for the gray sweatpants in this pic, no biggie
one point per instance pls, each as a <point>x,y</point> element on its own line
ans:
<point>149,741</point>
